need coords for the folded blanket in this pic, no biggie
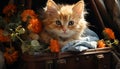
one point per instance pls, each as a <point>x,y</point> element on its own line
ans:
<point>88,41</point>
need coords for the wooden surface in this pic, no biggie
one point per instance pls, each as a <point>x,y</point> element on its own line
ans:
<point>90,59</point>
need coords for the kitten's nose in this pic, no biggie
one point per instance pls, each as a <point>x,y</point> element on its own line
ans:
<point>64,29</point>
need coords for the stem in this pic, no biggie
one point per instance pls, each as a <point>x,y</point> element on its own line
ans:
<point>46,49</point>
<point>10,43</point>
<point>20,39</point>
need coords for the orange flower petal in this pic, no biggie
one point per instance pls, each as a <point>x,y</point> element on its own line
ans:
<point>10,8</point>
<point>109,33</point>
<point>101,44</point>
<point>28,13</point>
<point>4,38</point>
<point>34,25</point>
<point>54,46</point>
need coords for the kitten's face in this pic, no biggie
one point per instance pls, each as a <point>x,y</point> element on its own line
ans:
<point>64,20</point>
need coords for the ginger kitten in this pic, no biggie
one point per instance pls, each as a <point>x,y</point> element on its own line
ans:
<point>63,22</point>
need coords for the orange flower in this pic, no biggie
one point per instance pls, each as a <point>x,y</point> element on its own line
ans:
<point>9,9</point>
<point>4,38</point>
<point>10,55</point>
<point>109,33</point>
<point>34,25</point>
<point>101,44</point>
<point>28,13</point>
<point>54,46</point>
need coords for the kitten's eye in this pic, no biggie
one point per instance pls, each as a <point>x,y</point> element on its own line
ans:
<point>58,22</point>
<point>71,23</point>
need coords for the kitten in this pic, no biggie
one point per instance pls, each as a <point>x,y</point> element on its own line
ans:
<point>63,22</point>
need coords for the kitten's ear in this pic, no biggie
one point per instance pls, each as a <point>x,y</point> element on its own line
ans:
<point>51,6</point>
<point>78,8</point>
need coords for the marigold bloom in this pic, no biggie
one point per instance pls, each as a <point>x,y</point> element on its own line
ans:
<point>101,44</point>
<point>4,38</point>
<point>109,33</point>
<point>34,25</point>
<point>9,9</point>
<point>28,13</point>
<point>54,46</point>
<point>10,55</point>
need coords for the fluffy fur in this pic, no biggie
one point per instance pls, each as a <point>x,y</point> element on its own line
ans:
<point>63,22</point>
